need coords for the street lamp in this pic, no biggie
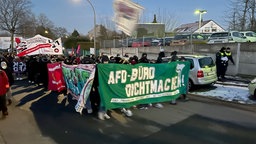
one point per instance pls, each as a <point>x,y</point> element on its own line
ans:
<point>94,29</point>
<point>200,12</point>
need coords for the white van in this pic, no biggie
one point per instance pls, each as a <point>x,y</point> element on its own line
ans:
<point>226,37</point>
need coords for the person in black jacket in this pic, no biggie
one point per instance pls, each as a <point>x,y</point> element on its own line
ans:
<point>230,58</point>
<point>144,59</point>
<point>221,63</point>
<point>160,56</point>
<point>229,55</point>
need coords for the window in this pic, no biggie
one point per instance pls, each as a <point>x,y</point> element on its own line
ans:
<point>236,34</point>
<point>214,29</point>
<point>206,62</point>
<point>207,29</point>
<point>191,63</point>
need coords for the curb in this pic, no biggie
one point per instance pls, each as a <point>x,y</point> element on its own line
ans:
<point>212,100</point>
<point>232,84</point>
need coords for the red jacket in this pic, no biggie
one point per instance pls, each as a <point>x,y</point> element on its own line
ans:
<point>4,84</point>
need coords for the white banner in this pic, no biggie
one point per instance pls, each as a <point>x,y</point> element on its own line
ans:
<point>127,14</point>
<point>38,45</point>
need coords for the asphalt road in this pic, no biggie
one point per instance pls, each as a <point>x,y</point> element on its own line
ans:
<point>38,116</point>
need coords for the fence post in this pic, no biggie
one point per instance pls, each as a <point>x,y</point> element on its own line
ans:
<point>238,50</point>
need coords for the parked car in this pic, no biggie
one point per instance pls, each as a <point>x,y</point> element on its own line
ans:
<point>252,88</point>
<point>142,42</point>
<point>202,70</point>
<point>249,35</point>
<point>127,42</point>
<point>157,42</point>
<point>168,40</point>
<point>162,41</point>
<point>226,37</point>
<point>182,39</point>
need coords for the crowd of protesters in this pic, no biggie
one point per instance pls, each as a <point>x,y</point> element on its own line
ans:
<point>36,72</point>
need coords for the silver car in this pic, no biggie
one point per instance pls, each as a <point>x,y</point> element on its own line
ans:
<point>252,88</point>
<point>202,69</point>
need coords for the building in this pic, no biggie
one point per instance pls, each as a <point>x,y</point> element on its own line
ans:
<point>149,30</point>
<point>207,27</point>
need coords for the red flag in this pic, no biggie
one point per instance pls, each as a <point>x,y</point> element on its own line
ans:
<point>78,49</point>
<point>17,40</point>
<point>56,80</point>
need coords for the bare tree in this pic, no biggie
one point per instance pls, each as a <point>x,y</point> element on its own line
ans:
<point>12,13</point>
<point>169,19</point>
<point>45,26</point>
<point>241,15</point>
<point>252,16</point>
<point>60,32</point>
<point>108,23</point>
<point>44,21</point>
<point>244,13</point>
<point>28,26</point>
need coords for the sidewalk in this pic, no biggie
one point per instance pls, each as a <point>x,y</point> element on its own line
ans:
<point>241,80</point>
<point>20,126</point>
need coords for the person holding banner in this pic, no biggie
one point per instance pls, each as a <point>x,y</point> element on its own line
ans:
<point>19,67</point>
<point>144,59</point>
<point>102,112</point>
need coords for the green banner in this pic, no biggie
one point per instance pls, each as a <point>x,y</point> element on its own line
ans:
<point>122,86</point>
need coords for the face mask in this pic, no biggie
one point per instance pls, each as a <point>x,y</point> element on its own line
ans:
<point>3,65</point>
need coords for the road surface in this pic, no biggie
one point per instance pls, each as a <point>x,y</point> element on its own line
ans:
<point>38,116</point>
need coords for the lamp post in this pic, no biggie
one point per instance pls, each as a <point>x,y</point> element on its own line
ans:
<point>200,12</point>
<point>94,25</point>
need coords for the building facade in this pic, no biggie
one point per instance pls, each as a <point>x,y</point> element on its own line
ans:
<point>207,27</point>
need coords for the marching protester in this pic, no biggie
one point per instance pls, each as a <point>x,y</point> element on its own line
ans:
<point>18,67</point>
<point>32,69</point>
<point>6,66</point>
<point>184,96</point>
<point>124,60</point>
<point>160,56</point>
<point>4,86</point>
<point>44,71</point>
<point>221,63</point>
<point>144,59</point>
<point>102,112</point>
<point>174,58</point>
